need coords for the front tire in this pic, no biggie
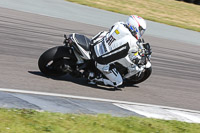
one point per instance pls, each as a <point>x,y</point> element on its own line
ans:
<point>136,80</point>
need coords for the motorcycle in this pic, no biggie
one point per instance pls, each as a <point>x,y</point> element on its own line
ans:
<point>75,58</point>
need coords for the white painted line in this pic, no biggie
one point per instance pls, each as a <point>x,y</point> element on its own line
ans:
<point>160,113</point>
<point>94,99</point>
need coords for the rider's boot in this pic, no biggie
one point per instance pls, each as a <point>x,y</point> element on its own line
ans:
<point>112,76</point>
<point>100,80</point>
<point>107,82</point>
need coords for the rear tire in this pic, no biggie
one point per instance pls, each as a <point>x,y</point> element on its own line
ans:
<point>51,61</point>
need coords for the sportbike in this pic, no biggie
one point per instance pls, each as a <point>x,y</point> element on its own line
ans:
<point>62,60</point>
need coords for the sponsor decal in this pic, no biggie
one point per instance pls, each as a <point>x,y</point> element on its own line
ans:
<point>117,32</point>
<point>136,53</point>
<point>110,40</point>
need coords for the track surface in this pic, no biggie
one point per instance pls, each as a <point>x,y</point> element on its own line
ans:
<point>25,36</point>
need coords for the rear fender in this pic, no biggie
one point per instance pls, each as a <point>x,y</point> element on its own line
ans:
<point>62,51</point>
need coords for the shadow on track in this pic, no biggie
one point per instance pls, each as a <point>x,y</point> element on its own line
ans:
<point>80,81</point>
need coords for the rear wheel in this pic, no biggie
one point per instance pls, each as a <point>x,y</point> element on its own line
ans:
<point>54,62</point>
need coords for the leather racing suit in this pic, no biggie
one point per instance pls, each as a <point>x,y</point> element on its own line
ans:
<point>117,45</point>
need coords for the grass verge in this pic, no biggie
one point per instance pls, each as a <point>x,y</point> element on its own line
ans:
<point>171,12</point>
<point>30,121</point>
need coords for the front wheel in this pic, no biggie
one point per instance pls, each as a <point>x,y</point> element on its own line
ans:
<point>54,61</point>
<point>138,79</point>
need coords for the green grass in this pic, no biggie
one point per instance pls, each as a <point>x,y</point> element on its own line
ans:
<point>171,12</point>
<point>30,121</point>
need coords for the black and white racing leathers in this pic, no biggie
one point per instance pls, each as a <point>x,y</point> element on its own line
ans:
<point>117,45</point>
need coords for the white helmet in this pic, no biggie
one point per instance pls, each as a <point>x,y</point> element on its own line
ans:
<point>137,25</point>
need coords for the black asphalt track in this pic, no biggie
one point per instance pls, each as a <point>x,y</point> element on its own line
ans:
<point>175,80</point>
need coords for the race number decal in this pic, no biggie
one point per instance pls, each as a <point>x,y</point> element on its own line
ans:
<point>110,40</point>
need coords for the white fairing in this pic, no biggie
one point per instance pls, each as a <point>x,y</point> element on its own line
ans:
<point>86,54</point>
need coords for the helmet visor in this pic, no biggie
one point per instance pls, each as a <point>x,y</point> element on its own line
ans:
<point>132,28</point>
<point>141,30</point>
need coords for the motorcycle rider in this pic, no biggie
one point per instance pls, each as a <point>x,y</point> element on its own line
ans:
<point>120,44</point>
